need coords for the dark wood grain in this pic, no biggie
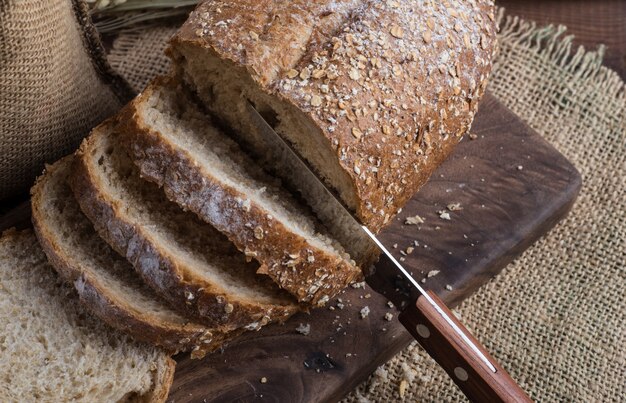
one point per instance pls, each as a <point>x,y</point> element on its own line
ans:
<point>593,22</point>
<point>470,373</point>
<point>512,186</point>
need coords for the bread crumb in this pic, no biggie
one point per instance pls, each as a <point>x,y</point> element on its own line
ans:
<point>444,215</point>
<point>448,287</point>
<point>454,207</point>
<point>304,329</point>
<point>415,220</point>
<point>380,376</point>
<point>402,388</point>
<point>390,304</point>
<point>263,380</point>
<point>520,167</point>
<point>364,312</point>
<point>388,316</point>
<point>432,273</point>
<point>358,285</point>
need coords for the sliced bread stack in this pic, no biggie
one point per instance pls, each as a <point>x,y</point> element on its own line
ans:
<point>106,283</point>
<point>172,234</point>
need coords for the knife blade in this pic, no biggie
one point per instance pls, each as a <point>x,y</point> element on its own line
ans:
<point>388,277</point>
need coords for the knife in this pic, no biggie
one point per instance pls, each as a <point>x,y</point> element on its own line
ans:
<point>423,314</point>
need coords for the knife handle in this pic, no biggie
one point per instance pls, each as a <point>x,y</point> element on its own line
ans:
<point>440,340</point>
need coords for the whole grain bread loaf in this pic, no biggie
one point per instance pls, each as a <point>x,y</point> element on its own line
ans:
<point>53,350</point>
<point>106,283</point>
<point>373,94</point>
<point>175,145</point>
<point>185,260</point>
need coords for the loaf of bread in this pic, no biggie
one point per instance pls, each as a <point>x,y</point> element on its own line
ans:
<point>373,94</point>
<point>186,261</point>
<point>176,146</point>
<point>175,234</point>
<point>53,350</point>
<point>106,283</point>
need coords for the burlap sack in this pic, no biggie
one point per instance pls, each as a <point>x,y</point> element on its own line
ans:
<point>556,317</point>
<point>55,85</point>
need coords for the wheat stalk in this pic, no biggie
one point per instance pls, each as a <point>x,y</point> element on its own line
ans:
<point>113,15</point>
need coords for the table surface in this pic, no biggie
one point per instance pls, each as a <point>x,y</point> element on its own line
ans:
<point>593,22</point>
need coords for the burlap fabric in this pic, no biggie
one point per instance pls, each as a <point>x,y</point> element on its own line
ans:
<point>556,317</point>
<point>54,86</point>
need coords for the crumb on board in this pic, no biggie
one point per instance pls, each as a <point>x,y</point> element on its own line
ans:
<point>454,207</point>
<point>448,287</point>
<point>364,312</point>
<point>414,220</point>
<point>360,284</point>
<point>390,304</point>
<point>263,380</point>
<point>304,329</point>
<point>444,215</point>
<point>388,316</point>
<point>520,167</point>
<point>432,273</point>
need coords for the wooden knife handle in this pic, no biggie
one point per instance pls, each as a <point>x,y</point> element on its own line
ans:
<point>477,381</point>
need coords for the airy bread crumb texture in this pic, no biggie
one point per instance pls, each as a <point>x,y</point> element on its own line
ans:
<point>52,349</point>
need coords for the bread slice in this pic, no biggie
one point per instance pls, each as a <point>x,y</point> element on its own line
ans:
<point>175,145</point>
<point>186,261</point>
<point>106,283</point>
<point>53,350</point>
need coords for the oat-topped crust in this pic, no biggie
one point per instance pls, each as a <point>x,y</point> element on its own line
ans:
<point>393,85</point>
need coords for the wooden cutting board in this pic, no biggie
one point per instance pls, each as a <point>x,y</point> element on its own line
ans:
<point>511,186</point>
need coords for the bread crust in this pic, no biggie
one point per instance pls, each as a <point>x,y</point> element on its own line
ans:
<point>163,378</point>
<point>392,86</point>
<point>100,301</point>
<point>310,274</point>
<point>164,273</point>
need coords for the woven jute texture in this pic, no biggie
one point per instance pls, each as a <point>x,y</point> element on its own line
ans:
<point>556,317</point>
<point>54,86</point>
<point>138,54</point>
